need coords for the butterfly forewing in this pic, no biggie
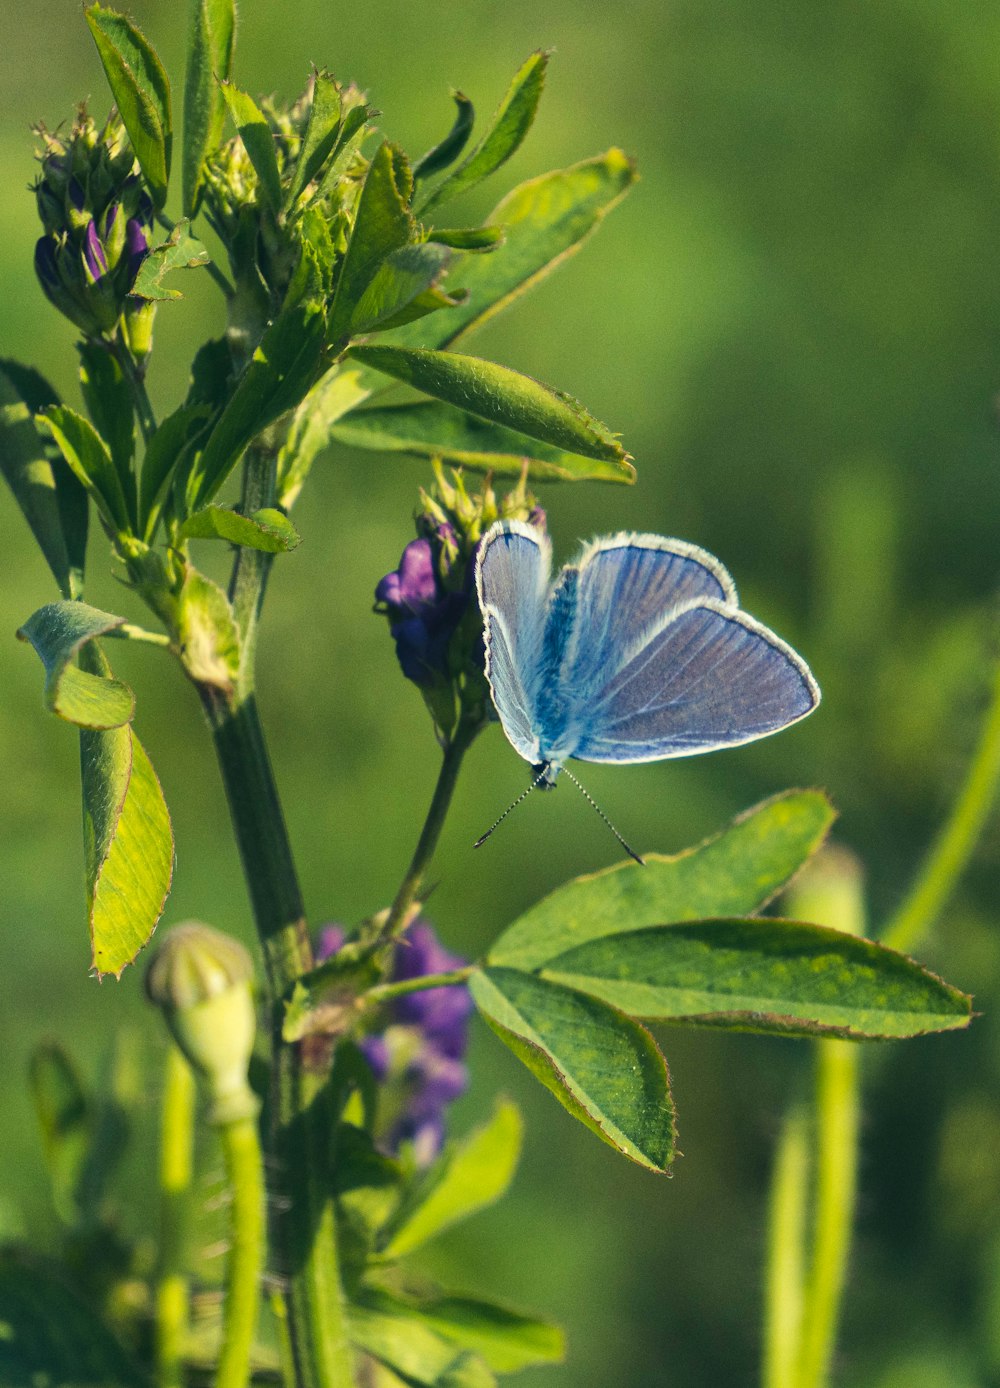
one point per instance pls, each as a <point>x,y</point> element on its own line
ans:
<point>709,677</point>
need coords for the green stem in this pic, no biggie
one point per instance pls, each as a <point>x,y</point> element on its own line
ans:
<point>176,1161</point>
<point>956,841</point>
<point>143,405</point>
<point>384,991</point>
<point>837,1121</point>
<point>413,881</point>
<point>303,1231</point>
<point>128,632</point>
<point>784,1289</point>
<point>245,1175</point>
<point>251,567</point>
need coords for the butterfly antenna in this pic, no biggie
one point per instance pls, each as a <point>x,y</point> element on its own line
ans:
<point>524,794</point>
<point>594,805</point>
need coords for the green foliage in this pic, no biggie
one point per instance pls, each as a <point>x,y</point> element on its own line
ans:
<point>603,1068</point>
<point>210,57</point>
<point>445,153</point>
<point>180,251</point>
<point>258,142</point>
<point>321,134</point>
<point>268,530</point>
<point>88,458</point>
<point>58,632</point>
<point>141,91</point>
<point>108,397</point>
<point>503,396</point>
<point>403,288</point>
<point>505,1339</point>
<point>417,1353</point>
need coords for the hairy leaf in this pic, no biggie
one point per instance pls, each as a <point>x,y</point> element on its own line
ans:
<point>141,91</point>
<point>603,1067</point>
<point>59,632</point>
<point>497,393</point>
<point>733,873</point>
<point>401,278</point>
<point>209,60</point>
<point>320,138</point>
<point>258,142</point>
<point>267,530</point>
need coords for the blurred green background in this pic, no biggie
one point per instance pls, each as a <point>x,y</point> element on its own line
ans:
<point>793,321</point>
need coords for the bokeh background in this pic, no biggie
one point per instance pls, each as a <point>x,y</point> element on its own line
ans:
<point>794,321</point>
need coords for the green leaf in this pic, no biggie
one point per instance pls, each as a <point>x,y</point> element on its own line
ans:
<point>603,1067</point>
<point>141,91</point>
<point>164,452</point>
<point>544,221</point>
<point>268,530</point>
<point>378,1326</point>
<point>65,1119</point>
<point>52,499</point>
<point>209,60</point>
<point>497,393</point>
<point>310,431</point>
<point>383,224</point>
<point>50,1336</point>
<point>510,125</point>
<point>732,874</point>
<point>320,138</point>
<point>128,846</point>
<point>763,975</point>
<point>453,143</point>
<point>258,141</point>
<point>59,632</point>
<point>505,1339</point>
<point>90,462</point>
<point>207,634</point>
<point>279,374</point>
<point>401,279</point>
<point>468,238</point>
<point>108,397</point>
<point>180,251</point>
<point>470,1175</point>
<point>431,429</point>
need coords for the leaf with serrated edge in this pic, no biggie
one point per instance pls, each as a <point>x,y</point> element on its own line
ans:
<point>141,91</point>
<point>733,873</point>
<point>210,57</point>
<point>603,1067</point>
<point>59,632</point>
<point>473,1174</point>
<point>181,251</point>
<point>496,393</point>
<point>320,137</point>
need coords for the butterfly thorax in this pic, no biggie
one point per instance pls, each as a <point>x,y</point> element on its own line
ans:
<point>544,775</point>
<point>555,706</point>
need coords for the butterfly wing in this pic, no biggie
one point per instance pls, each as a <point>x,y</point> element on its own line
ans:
<point>708,676</point>
<point>512,581</point>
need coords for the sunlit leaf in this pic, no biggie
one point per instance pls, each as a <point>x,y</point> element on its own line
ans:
<point>603,1067</point>
<point>321,134</point>
<point>258,141</point>
<point>401,278</point>
<point>209,59</point>
<point>164,452</point>
<point>468,238</point>
<point>445,153</point>
<point>378,1325</point>
<point>141,91</point>
<point>180,251</point>
<point>59,632</point>
<point>734,873</point>
<point>505,1339</point>
<point>90,462</point>
<point>267,530</point>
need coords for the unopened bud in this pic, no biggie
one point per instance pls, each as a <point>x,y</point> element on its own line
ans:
<point>829,891</point>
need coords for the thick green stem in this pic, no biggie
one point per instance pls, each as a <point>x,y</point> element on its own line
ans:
<point>252,566</point>
<point>176,1160</point>
<point>303,1231</point>
<point>413,881</point>
<point>245,1175</point>
<point>955,843</point>
<point>784,1289</point>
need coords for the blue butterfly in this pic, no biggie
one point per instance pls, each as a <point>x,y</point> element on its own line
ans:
<point>638,651</point>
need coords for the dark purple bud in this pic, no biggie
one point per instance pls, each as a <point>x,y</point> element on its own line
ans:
<point>413,585</point>
<point>110,217</point>
<point>93,253</point>
<point>45,263</point>
<point>537,517</point>
<point>425,1130</point>
<point>329,939</point>
<point>75,193</point>
<point>440,1079</point>
<point>442,1014</point>
<point>136,246</point>
<point>422,615</point>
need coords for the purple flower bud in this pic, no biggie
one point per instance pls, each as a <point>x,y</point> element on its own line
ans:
<point>413,585</point>
<point>537,517</point>
<point>136,247</point>
<point>329,940</point>
<point>442,1014</point>
<point>45,263</point>
<point>93,253</point>
<point>422,615</point>
<point>75,193</point>
<point>110,217</point>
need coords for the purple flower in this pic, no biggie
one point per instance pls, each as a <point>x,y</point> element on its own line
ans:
<point>423,615</point>
<point>136,247</point>
<point>93,253</point>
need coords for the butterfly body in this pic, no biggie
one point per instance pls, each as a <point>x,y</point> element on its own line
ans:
<point>638,651</point>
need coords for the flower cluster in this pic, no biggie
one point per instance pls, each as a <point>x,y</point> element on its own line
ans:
<point>97,218</point>
<point>418,1058</point>
<point>430,598</point>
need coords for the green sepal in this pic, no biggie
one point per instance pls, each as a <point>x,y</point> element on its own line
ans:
<point>327,1000</point>
<point>141,91</point>
<point>88,458</point>
<point>383,224</point>
<point>127,838</point>
<point>763,975</point>
<point>180,251</point>
<point>108,397</point>
<point>603,1067</point>
<point>470,1174</point>
<point>496,393</point>
<point>50,1335</point>
<point>268,530</point>
<point>448,150</point>
<point>468,238</point>
<point>734,873</point>
<point>209,60</point>
<point>258,141</point>
<point>381,1327</point>
<point>321,134</point>
<point>50,496</point>
<point>432,429</point>
<point>398,283</point>
<point>510,125</point>
<point>59,632</point>
<point>505,1339</point>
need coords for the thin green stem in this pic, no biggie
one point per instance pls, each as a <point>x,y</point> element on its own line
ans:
<point>411,884</point>
<point>955,844</point>
<point>784,1288</point>
<point>128,632</point>
<point>385,991</point>
<point>176,1162</point>
<point>251,567</point>
<point>245,1175</point>
<point>140,395</point>
<point>837,1121</point>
